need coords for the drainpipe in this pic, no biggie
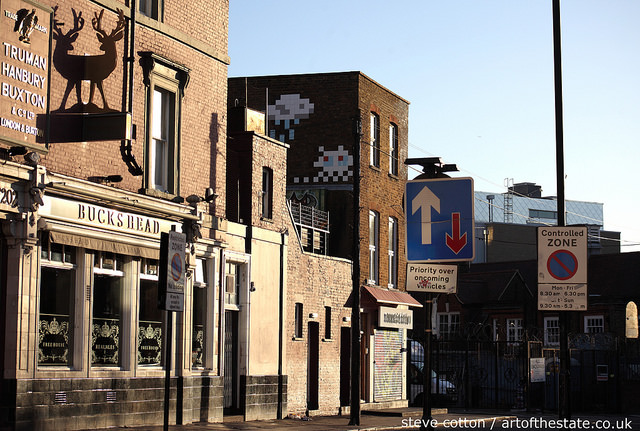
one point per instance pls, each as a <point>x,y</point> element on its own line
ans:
<point>279,413</point>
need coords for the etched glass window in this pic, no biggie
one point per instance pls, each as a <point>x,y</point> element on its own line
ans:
<point>57,286</point>
<point>200,287</point>
<point>106,326</point>
<point>150,322</point>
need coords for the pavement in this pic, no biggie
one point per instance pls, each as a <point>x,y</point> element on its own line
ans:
<point>409,418</point>
<point>405,418</point>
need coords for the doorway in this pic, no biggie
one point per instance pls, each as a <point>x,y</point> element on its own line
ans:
<point>231,405</point>
<point>313,366</point>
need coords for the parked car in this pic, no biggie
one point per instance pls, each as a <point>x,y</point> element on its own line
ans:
<point>443,391</point>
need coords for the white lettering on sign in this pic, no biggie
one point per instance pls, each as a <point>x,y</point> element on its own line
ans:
<point>432,278</point>
<point>24,56</point>
<point>22,95</point>
<point>19,127</point>
<point>23,75</point>
<point>105,216</point>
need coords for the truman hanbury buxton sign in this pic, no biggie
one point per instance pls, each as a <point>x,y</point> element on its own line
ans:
<point>24,73</point>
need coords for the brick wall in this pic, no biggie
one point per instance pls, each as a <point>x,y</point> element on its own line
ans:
<point>337,98</point>
<point>203,120</point>
<point>316,282</point>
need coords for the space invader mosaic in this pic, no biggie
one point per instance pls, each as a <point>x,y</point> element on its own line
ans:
<point>335,165</point>
<point>288,110</point>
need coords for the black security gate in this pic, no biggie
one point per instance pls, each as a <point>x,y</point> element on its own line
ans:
<point>604,373</point>
<point>486,374</point>
<point>230,361</point>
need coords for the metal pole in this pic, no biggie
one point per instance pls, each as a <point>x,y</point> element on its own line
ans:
<point>167,378</point>
<point>355,276</point>
<point>426,369</point>
<point>564,411</point>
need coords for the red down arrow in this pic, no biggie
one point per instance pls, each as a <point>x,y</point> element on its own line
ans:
<point>456,242</point>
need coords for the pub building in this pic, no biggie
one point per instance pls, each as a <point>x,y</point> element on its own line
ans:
<point>84,198</point>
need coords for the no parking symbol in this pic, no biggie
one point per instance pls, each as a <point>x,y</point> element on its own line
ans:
<point>562,264</point>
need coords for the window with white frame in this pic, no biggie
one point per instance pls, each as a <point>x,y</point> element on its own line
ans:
<point>374,246</point>
<point>165,81</point>
<point>393,253</point>
<point>515,330</point>
<point>374,159</point>
<point>552,331</point>
<point>108,309</point>
<point>593,324</point>
<point>162,150</point>
<point>393,149</point>
<point>448,325</point>
<point>57,287</point>
<point>232,284</point>
<point>150,321</point>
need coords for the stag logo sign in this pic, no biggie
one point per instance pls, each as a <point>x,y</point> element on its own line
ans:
<point>78,67</point>
<point>24,72</point>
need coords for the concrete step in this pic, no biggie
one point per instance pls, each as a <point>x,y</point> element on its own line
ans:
<point>403,412</point>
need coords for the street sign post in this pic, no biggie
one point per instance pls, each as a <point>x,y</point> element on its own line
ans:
<point>440,220</point>
<point>172,271</point>
<point>562,268</point>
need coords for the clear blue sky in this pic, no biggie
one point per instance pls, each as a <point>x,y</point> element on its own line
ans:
<point>479,76</point>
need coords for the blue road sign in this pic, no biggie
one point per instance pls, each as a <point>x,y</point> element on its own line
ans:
<point>439,214</point>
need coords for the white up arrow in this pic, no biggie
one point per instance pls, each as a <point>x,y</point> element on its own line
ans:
<point>425,200</point>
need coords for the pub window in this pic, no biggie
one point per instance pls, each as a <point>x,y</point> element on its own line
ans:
<point>108,299</point>
<point>165,82</point>
<point>162,151</point>
<point>57,286</point>
<point>200,287</point>
<point>297,331</point>
<point>151,8</point>
<point>150,321</point>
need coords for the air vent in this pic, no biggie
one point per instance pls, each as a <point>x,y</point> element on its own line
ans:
<point>111,396</point>
<point>60,398</point>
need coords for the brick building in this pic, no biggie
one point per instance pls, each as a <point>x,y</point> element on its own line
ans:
<point>315,115</point>
<point>113,130</point>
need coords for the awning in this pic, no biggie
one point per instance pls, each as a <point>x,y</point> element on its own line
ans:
<point>393,297</point>
<point>377,296</point>
<point>103,245</point>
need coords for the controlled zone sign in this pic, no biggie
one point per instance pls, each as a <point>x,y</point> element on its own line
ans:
<point>440,224</point>
<point>172,271</point>
<point>562,268</point>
